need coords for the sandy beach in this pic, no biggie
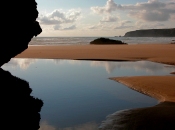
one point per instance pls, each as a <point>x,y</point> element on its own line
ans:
<point>160,87</point>
<point>163,53</point>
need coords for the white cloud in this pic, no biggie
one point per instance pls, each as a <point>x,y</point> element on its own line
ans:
<point>97,26</point>
<point>58,19</point>
<point>110,19</point>
<point>22,63</point>
<point>153,10</point>
<point>45,126</point>
<point>108,8</point>
<point>58,27</point>
<point>149,67</point>
<point>124,25</point>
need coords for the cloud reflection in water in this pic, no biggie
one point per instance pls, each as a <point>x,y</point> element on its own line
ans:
<point>22,63</point>
<point>147,66</point>
<point>87,126</point>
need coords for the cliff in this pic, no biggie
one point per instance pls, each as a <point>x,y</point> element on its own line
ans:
<point>17,27</point>
<point>152,33</point>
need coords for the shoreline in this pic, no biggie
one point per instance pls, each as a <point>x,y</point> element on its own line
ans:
<point>161,53</point>
<point>159,87</point>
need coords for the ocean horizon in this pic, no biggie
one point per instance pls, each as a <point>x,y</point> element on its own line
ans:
<point>87,40</point>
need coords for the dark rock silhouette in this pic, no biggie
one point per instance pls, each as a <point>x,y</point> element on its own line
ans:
<point>159,117</point>
<point>152,33</point>
<point>18,27</point>
<point>20,111</point>
<point>106,41</point>
<point>173,42</point>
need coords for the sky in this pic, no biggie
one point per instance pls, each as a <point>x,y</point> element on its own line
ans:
<point>91,18</point>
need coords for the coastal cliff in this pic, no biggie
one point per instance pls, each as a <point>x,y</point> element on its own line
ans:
<point>152,33</point>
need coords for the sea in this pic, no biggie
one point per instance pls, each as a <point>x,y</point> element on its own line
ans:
<point>87,40</point>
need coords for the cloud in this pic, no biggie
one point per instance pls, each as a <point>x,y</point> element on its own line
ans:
<point>108,8</point>
<point>153,10</point>
<point>58,27</point>
<point>22,63</point>
<point>87,126</point>
<point>45,126</point>
<point>149,67</point>
<point>140,25</point>
<point>110,19</point>
<point>58,19</point>
<point>97,26</point>
<point>123,25</point>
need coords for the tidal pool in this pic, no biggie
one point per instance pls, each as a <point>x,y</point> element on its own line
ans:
<point>78,94</point>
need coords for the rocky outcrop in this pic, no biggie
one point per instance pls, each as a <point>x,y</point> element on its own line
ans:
<point>18,27</point>
<point>19,110</point>
<point>106,41</point>
<point>152,33</point>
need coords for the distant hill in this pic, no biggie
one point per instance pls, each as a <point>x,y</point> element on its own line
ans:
<point>152,33</point>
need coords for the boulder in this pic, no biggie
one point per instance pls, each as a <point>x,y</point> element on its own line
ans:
<point>107,41</point>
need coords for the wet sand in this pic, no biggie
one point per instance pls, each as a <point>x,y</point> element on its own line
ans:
<point>163,53</point>
<point>159,87</point>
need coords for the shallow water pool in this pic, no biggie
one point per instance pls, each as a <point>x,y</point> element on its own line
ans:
<point>78,94</point>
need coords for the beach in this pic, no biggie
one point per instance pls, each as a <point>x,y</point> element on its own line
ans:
<point>162,53</point>
<point>161,86</point>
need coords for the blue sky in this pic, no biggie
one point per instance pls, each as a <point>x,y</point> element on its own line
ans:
<point>103,17</point>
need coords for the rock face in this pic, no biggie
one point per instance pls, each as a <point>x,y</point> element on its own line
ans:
<point>159,117</point>
<point>152,33</point>
<point>106,41</point>
<point>18,27</point>
<point>20,110</point>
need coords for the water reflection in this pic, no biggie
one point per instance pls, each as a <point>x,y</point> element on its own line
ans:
<point>87,126</point>
<point>78,92</point>
<point>22,63</point>
<point>159,117</point>
<point>20,110</point>
<point>149,67</point>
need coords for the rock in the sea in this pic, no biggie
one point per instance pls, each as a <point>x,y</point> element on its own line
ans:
<point>107,41</point>
<point>19,26</point>
<point>152,33</point>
